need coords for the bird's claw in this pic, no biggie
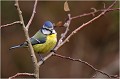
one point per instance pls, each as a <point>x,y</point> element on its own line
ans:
<point>53,51</point>
<point>41,58</point>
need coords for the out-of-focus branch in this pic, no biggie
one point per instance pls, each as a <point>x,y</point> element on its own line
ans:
<point>18,75</point>
<point>16,22</point>
<point>33,13</point>
<point>34,59</point>
<point>112,68</point>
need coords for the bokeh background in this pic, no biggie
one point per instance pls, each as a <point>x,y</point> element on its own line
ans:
<point>97,44</point>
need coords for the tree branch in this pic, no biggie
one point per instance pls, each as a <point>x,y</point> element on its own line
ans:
<point>93,13</point>
<point>74,17</point>
<point>33,13</point>
<point>22,74</point>
<point>67,24</point>
<point>34,59</point>
<point>16,22</point>
<point>86,63</point>
<point>85,24</point>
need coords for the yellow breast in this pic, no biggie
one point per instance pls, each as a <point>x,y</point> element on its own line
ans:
<point>47,46</point>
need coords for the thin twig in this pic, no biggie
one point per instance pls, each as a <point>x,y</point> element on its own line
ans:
<point>67,24</point>
<point>92,13</point>
<point>34,59</point>
<point>79,16</point>
<point>22,74</point>
<point>16,22</point>
<point>33,13</point>
<point>84,62</point>
<point>85,24</point>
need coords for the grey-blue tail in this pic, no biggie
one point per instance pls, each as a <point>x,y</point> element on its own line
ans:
<point>18,46</point>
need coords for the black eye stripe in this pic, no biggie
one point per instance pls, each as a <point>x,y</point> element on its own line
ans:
<point>47,29</point>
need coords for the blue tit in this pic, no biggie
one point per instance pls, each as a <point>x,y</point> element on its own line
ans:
<point>44,40</point>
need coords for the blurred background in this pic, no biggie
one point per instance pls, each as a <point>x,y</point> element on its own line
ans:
<point>97,44</point>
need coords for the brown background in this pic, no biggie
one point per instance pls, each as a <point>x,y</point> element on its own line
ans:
<point>98,43</point>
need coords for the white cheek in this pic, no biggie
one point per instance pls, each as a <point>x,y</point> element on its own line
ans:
<point>45,32</point>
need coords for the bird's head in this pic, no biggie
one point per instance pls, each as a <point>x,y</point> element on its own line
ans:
<point>48,28</point>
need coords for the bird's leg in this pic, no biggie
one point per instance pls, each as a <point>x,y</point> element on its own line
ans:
<point>41,58</point>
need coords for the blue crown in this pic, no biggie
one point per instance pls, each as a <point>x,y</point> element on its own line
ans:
<point>48,24</point>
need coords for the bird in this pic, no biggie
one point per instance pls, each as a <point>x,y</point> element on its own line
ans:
<point>43,41</point>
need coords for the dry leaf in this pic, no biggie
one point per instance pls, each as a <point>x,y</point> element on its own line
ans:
<point>66,7</point>
<point>59,24</point>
